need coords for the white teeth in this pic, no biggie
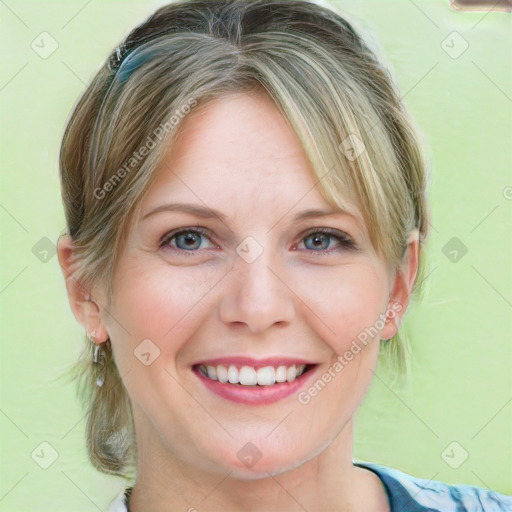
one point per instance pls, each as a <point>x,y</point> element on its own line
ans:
<point>222,373</point>
<point>211,372</point>
<point>233,374</point>
<point>281,374</point>
<point>249,376</point>
<point>266,376</point>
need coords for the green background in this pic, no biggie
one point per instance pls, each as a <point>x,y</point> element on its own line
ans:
<point>460,390</point>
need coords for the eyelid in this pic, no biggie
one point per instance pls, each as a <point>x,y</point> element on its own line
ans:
<point>344,238</point>
<point>332,231</point>
<point>166,238</point>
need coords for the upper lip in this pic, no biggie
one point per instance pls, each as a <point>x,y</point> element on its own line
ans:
<point>255,363</point>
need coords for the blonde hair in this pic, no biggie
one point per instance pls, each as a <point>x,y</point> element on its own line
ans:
<point>336,95</point>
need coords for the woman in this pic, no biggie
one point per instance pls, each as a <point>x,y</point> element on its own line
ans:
<point>246,204</point>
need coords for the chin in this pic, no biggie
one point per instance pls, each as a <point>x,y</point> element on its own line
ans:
<point>273,464</point>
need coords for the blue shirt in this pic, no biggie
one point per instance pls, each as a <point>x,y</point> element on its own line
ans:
<point>407,493</point>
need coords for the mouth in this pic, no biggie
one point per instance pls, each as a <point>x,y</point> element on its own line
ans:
<point>253,376</point>
<point>257,383</point>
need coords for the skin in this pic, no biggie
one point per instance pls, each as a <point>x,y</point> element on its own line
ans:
<point>240,157</point>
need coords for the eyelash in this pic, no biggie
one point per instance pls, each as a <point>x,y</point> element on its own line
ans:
<point>345,241</point>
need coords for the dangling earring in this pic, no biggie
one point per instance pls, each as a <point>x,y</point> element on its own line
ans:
<point>95,358</point>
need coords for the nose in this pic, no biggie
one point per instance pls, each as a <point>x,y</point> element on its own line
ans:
<point>257,296</point>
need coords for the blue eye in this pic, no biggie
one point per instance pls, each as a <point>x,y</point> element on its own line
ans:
<point>188,240</point>
<point>321,238</point>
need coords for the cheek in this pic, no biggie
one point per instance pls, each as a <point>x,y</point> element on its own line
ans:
<point>341,311</point>
<point>344,303</point>
<point>157,304</point>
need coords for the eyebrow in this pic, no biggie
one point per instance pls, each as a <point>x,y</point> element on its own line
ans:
<point>208,213</point>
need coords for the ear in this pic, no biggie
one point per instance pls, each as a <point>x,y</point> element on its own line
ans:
<point>402,285</point>
<point>85,308</point>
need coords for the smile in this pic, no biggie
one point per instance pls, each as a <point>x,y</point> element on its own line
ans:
<point>259,383</point>
<point>250,376</point>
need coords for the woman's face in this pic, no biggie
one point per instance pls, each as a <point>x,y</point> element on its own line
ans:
<point>258,282</point>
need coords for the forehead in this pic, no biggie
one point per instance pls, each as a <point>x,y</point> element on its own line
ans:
<point>238,154</point>
<point>243,136</point>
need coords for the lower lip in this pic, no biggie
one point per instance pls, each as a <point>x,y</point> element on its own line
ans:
<point>255,395</point>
